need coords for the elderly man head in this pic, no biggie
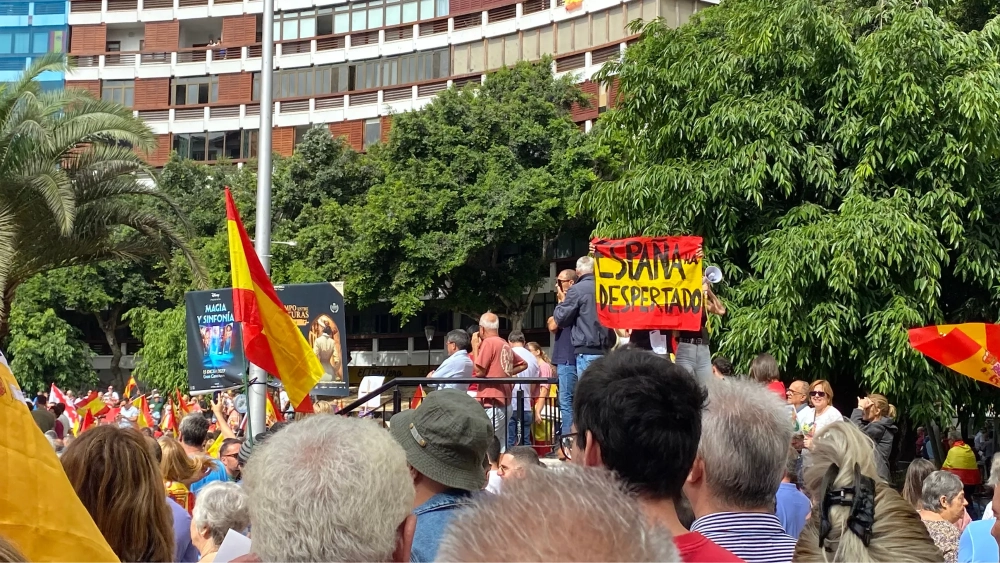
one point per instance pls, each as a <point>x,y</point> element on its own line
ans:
<point>330,488</point>
<point>221,507</point>
<point>745,434</point>
<point>572,514</point>
<point>798,395</point>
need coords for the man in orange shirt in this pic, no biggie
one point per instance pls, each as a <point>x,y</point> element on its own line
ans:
<point>495,358</point>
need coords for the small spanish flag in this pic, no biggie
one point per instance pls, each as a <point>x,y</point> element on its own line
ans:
<point>182,406</point>
<point>145,417</point>
<point>272,410</point>
<point>131,388</point>
<point>92,404</point>
<point>271,338</point>
<point>169,421</point>
<point>87,422</point>
<point>418,397</point>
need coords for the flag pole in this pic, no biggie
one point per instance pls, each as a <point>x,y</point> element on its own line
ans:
<point>257,389</point>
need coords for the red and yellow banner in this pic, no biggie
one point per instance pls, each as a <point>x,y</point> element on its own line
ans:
<point>271,339</point>
<point>971,349</point>
<point>649,283</point>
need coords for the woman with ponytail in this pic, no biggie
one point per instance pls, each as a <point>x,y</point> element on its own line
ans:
<point>856,516</point>
<point>874,416</point>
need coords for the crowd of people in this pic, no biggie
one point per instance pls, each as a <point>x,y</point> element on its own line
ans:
<point>658,459</point>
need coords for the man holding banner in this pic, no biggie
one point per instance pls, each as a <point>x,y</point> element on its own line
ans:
<point>577,309</point>
<point>657,283</point>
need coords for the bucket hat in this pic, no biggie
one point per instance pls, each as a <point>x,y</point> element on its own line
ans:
<point>445,438</point>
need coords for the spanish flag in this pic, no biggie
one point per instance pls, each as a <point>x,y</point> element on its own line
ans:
<point>270,337</point>
<point>130,387</point>
<point>216,448</point>
<point>169,421</point>
<point>39,510</point>
<point>92,404</point>
<point>182,406</point>
<point>272,411</point>
<point>962,462</point>
<point>87,422</point>
<point>971,349</point>
<point>145,419</point>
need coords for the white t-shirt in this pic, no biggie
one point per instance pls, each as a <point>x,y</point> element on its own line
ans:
<point>810,423</point>
<point>532,371</point>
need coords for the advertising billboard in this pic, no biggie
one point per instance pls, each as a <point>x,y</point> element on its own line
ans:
<point>215,349</point>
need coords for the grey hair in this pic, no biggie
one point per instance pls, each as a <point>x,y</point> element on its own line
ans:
<point>221,507</point>
<point>585,265</point>
<point>489,321</point>
<point>954,435</point>
<point>567,514</point>
<point>897,533</point>
<point>328,488</point>
<point>940,484</point>
<point>745,433</point>
<point>459,338</point>
<point>994,471</point>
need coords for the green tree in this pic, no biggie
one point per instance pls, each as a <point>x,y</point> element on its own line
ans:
<point>162,360</point>
<point>477,186</point>
<point>70,192</point>
<point>46,349</point>
<point>843,173</point>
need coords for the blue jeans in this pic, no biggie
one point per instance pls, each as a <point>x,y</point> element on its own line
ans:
<point>516,434</point>
<point>583,362</point>
<point>696,358</point>
<point>567,384</point>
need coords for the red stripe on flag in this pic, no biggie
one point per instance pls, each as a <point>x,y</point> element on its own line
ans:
<point>949,349</point>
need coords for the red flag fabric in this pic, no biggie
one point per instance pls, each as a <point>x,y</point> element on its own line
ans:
<point>418,397</point>
<point>182,406</point>
<point>971,349</point>
<point>271,339</point>
<point>271,407</point>
<point>130,388</point>
<point>92,404</point>
<point>87,422</point>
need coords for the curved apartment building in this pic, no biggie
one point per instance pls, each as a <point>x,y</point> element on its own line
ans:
<point>191,68</point>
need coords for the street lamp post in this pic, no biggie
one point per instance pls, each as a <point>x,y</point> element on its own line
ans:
<point>429,333</point>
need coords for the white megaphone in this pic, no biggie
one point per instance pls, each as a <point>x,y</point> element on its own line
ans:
<point>713,274</point>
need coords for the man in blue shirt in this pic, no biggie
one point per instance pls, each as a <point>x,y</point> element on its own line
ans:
<point>457,364</point>
<point>563,357</point>
<point>445,440</point>
<point>791,505</point>
<point>194,430</point>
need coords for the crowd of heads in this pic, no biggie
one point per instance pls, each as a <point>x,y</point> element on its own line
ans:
<point>653,452</point>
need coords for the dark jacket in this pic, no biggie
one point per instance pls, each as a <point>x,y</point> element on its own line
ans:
<point>579,311</point>
<point>882,432</point>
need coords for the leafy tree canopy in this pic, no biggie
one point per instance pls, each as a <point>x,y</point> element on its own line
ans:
<point>842,171</point>
<point>477,186</point>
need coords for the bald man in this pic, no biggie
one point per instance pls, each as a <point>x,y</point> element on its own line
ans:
<point>495,358</point>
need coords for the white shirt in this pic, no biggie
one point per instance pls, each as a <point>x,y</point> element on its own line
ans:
<point>532,371</point>
<point>112,396</point>
<point>811,423</point>
<point>458,364</point>
<point>493,483</point>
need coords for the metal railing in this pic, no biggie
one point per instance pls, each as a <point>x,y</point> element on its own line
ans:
<point>518,426</point>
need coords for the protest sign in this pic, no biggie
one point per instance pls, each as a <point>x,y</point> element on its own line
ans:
<point>649,283</point>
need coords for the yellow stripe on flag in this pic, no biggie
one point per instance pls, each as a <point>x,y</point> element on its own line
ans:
<point>39,510</point>
<point>216,448</point>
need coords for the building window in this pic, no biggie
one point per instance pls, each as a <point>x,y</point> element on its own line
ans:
<point>373,131</point>
<point>195,90</point>
<point>50,8</point>
<point>22,43</point>
<point>118,91</point>
<point>328,79</point>
<point>357,16</point>
<point>216,145</point>
<point>13,8</point>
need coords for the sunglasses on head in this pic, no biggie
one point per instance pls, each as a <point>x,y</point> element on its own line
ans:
<point>819,394</point>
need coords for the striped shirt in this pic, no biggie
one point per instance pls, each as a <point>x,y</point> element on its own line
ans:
<point>754,537</point>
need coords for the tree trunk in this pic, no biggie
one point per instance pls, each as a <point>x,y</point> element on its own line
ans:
<point>935,437</point>
<point>516,321</point>
<point>7,303</point>
<point>109,327</point>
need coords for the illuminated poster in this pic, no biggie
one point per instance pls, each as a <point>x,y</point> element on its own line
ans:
<point>214,347</point>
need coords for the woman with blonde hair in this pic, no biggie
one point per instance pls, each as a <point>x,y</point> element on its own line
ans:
<point>822,412</point>
<point>541,429</point>
<point>114,474</point>
<point>874,416</point>
<point>856,516</point>
<point>178,471</point>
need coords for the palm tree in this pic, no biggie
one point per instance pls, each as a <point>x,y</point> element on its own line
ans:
<point>71,184</point>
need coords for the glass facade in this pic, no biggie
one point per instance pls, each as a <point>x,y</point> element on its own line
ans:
<point>30,29</point>
<point>357,16</point>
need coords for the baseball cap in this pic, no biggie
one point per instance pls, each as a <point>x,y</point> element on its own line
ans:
<point>445,438</point>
